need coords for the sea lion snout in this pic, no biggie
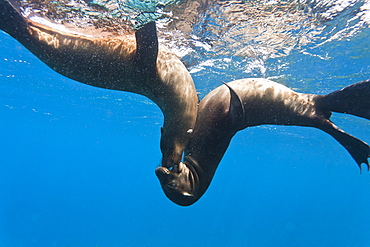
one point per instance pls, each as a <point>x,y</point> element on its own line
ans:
<point>179,184</point>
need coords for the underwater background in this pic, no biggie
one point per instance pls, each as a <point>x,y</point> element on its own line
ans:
<point>77,162</point>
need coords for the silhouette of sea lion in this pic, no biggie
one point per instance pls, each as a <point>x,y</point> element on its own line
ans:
<point>133,63</point>
<point>251,102</point>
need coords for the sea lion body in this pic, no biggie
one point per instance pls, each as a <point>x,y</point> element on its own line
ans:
<point>133,63</point>
<point>251,102</point>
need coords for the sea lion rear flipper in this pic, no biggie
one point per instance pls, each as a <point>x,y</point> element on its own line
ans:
<point>354,100</point>
<point>358,149</point>
<point>236,109</point>
<point>147,47</point>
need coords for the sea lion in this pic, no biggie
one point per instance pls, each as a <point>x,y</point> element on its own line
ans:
<point>133,63</point>
<point>251,102</point>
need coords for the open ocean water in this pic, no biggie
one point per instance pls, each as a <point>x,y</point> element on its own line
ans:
<point>77,162</point>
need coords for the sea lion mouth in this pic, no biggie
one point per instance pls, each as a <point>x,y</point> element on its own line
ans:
<point>195,169</point>
<point>182,178</point>
<point>181,187</point>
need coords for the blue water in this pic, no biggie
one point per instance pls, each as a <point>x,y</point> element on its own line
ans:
<point>77,164</point>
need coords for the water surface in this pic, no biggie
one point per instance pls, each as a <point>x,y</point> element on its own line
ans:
<point>77,162</point>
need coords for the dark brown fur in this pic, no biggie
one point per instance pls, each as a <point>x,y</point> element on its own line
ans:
<point>251,102</point>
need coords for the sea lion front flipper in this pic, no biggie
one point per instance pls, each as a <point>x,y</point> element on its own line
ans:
<point>147,47</point>
<point>236,109</point>
<point>353,99</point>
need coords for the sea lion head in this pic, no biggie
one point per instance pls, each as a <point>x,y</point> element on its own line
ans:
<point>180,183</point>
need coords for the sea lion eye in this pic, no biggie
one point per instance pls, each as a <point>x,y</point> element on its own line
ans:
<point>172,185</point>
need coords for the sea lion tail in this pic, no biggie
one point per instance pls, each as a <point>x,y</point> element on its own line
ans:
<point>358,149</point>
<point>353,99</point>
<point>11,20</point>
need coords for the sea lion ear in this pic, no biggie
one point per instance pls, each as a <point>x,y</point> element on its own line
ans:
<point>236,109</point>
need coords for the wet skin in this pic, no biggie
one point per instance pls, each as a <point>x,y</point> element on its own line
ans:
<point>250,102</point>
<point>132,63</point>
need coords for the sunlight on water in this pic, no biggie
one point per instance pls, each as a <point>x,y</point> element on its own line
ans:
<point>77,161</point>
<point>256,31</point>
<point>221,36</point>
